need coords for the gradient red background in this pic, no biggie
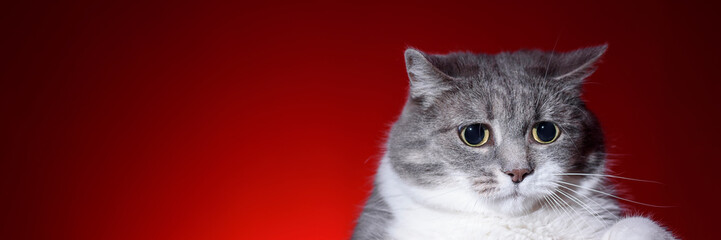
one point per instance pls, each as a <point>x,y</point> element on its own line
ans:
<point>265,120</point>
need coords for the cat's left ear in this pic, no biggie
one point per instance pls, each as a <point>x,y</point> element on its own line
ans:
<point>576,65</point>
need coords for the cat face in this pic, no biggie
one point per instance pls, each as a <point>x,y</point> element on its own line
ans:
<point>495,130</point>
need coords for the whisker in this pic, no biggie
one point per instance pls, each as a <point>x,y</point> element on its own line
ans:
<point>583,205</point>
<point>552,207</point>
<point>590,199</point>
<point>607,175</point>
<point>548,65</point>
<point>558,204</point>
<point>614,196</point>
<point>571,216</point>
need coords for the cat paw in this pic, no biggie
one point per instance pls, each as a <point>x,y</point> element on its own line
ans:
<point>637,228</point>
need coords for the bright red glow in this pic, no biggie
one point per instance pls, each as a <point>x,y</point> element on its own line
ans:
<point>259,120</point>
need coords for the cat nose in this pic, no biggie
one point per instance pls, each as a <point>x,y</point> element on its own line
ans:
<point>517,175</point>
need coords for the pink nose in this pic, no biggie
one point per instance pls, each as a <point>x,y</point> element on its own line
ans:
<point>517,175</point>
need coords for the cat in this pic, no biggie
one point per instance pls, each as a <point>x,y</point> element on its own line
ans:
<point>497,147</point>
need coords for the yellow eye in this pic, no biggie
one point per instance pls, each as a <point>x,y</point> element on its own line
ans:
<point>474,135</point>
<point>545,132</point>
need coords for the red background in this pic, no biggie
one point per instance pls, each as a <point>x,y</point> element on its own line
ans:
<point>265,120</point>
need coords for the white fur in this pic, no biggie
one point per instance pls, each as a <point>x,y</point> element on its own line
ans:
<point>636,228</point>
<point>457,212</point>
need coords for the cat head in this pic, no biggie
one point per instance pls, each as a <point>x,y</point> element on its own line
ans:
<point>495,131</point>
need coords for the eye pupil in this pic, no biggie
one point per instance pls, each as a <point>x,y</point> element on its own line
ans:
<point>546,131</point>
<point>474,134</point>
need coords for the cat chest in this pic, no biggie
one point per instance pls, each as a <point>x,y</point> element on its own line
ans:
<point>421,224</point>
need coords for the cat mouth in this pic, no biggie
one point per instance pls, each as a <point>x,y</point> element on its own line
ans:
<point>516,193</point>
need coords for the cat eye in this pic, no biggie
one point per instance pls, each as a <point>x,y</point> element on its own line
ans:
<point>545,132</point>
<point>474,135</point>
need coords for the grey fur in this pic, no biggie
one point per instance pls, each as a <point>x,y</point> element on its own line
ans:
<point>508,91</point>
<point>372,222</point>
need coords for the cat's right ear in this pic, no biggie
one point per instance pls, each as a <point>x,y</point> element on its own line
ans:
<point>427,82</point>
